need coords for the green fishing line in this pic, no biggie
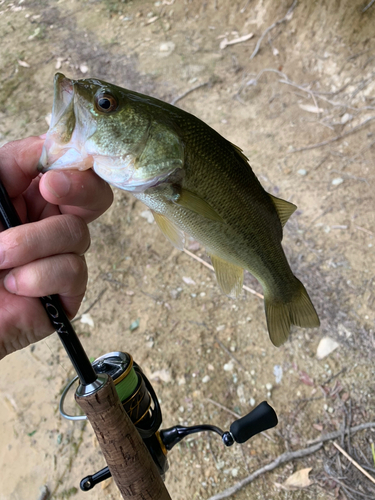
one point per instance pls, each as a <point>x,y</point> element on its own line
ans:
<point>127,386</point>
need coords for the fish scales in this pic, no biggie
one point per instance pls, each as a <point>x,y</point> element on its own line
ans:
<point>194,181</point>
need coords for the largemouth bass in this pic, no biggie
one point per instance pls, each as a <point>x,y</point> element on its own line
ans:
<point>193,180</point>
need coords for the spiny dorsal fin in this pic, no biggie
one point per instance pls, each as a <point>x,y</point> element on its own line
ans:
<point>284,209</point>
<point>240,152</point>
<point>193,202</point>
<point>229,276</point>
<point>170,230</point>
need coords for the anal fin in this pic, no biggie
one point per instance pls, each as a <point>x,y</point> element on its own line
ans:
<point>170,230</point>
<point>229,276</point>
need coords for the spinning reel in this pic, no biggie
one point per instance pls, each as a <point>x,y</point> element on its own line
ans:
<point>141,404</point>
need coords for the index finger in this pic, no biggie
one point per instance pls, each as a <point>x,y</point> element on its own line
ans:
<point>18,164</point>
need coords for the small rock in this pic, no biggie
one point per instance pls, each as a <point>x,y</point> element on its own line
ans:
<point>86,319</point>
<point>174,293</point>
<point>228,367</point>
<point>234,472</point>
<point>269,386</point>
<point>278,372</point>
<point>302,171</point>
<point>325,347</point>
<point>59,62</point>
<point>252,402</point>
<point>167,48</point>
<point>337,181</point>
<point>134,325</point>
<point>188,280</point>
<point>44,493</point>
<point>206,379</point>
<point>147,214</point>
<point>83,68</point>
<point>345,118</point>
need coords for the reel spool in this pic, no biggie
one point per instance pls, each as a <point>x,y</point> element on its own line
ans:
<point>141,404</point>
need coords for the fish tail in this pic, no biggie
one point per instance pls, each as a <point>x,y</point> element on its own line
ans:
<point>281,315</point>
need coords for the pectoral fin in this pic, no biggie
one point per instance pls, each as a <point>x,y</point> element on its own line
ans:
<point>284,209</point>
<point>229,276</point>
<point>170,230</point>
<point>193,202</point>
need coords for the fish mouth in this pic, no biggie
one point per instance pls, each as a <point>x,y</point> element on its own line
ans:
<point>71,125</point>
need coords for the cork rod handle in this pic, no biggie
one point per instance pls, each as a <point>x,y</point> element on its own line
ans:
<point>128,459</point>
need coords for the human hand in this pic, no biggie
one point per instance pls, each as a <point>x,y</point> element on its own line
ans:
<point>44,256</point>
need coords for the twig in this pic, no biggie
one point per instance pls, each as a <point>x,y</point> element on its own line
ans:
<point>178,98</point>
<point>360,228</point>
<point>281,459</point>
<point>229,353</point>
<point>336,434</point>
<point>345,486</point>
<point>91,306</point>
<point>250,290</point>
<point>270,28</point>
<point>223,407</point>
<point>287,457</point>
<point>354,462</point>
<point>368,6</point>
<point>334,139</point>
<point>334,376</point>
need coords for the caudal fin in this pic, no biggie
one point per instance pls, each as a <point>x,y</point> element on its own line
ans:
<point>281,315</point>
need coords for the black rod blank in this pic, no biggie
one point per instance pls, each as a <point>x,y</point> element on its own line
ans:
<point>52,305</point>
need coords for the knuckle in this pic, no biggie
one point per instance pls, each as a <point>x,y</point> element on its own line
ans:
<point>78,231</point>
<point>77,267</point>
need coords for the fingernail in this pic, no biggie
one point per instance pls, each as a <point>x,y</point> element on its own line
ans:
<point>43,136</point>
<point>57,183</point>
<point>10,283</point>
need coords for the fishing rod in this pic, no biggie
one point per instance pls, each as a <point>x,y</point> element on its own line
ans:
<point>123,409</point>
<point>128,459</point>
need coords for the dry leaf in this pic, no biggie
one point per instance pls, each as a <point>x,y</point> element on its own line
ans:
<point>310,108</point>
<point>326,345</point>
<point>299,479</point>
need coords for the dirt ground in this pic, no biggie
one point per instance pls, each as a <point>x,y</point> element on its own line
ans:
<point>303,110</point>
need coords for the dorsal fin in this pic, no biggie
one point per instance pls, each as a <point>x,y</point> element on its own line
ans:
<point>170,230</point>
<point>284,208</point>
<point>240,152</point>
<point>229,276</point>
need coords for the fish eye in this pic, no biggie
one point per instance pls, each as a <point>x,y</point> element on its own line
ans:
<point>106,103</point>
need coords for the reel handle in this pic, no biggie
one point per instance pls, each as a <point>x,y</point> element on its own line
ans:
<point>263,417</point>
<point>128,459</point>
